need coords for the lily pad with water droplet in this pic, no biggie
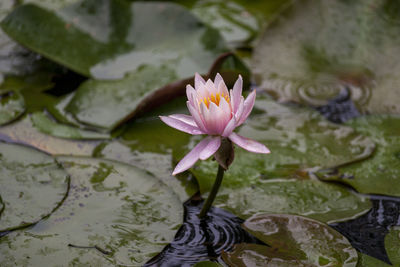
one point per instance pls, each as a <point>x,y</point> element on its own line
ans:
<point>293,241</point>
<point>300,140</point>
<point>318,48</point>
<point>33,185</point>
<point>321,201</point>
<point>12,105</point>
<point>115,214</point>
<point>379,174</point>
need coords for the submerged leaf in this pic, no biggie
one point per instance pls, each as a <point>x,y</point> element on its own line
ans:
<point>33,184</point>
<point>115,214</point>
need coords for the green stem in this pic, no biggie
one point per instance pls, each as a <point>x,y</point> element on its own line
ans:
<point>213,193</point>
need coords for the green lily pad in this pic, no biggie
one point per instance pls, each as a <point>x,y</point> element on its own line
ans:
<point>107,104</point>
<point>318,200</point>
<point>368,261</point>
<point>48,126</point>
<point>33,185</point>
<point>293,241</point>
<point>91,39</point>
<point>238,21</point>
<point>234,22</point>
<point>392,245</point>
<point>24,132</point>
<point>317,48</point>
<point>379,174</point>
<point>12,105</point>
<point>115,214</point>
<point>300,140</point>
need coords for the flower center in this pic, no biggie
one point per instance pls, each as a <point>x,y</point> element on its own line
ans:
<point>214,98</point>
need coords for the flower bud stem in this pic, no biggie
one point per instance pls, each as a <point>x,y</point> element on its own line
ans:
<point>207,204</point>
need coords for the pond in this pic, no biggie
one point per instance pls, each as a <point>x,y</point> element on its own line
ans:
<point>86,162</point>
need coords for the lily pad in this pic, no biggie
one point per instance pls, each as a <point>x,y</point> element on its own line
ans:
<point>379,174</point>
<point>12,105</point>
<point>300,140</point>
<point>237,25</point>
<point>33,185</point>
<point>392,245</point>
<point>23,132</point>
<point>48,126</point>
<point>91,39</point>
<point>321,201</point>
<point>368,261</point>
<point>115,214</point>
<point>318,48</point>
<point>293,241</point>
<point>107,104</point>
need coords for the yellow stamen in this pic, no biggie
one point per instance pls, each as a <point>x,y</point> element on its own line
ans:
<point>214,98</point>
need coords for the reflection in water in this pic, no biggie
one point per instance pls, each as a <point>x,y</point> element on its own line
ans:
<point>367,233</point>
<point>199,240</point>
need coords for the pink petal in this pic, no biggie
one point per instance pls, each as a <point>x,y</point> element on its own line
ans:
<point>210,87</point>
<point>211,148</point>
<point>248,144</point>
<point>236,93</point>
<point>210,116</point>
<point>226,113</point>
<point>191,94</point>
<point>247,107</point>
<point>239,111</point>
<point>218,79</point>
<point>217,117</point>
<point>196,117</point>
<point>185,118</point>
<point>229,127</point>
<point>198,80</point>
<point>180,125</point>
<point>190,159</point>
<point>222,88</point>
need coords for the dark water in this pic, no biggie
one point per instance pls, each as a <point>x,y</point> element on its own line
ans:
<point>367,233</point>
<point>200,240</point>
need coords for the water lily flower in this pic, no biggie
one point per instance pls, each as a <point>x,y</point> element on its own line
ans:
<point>216,113</point>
